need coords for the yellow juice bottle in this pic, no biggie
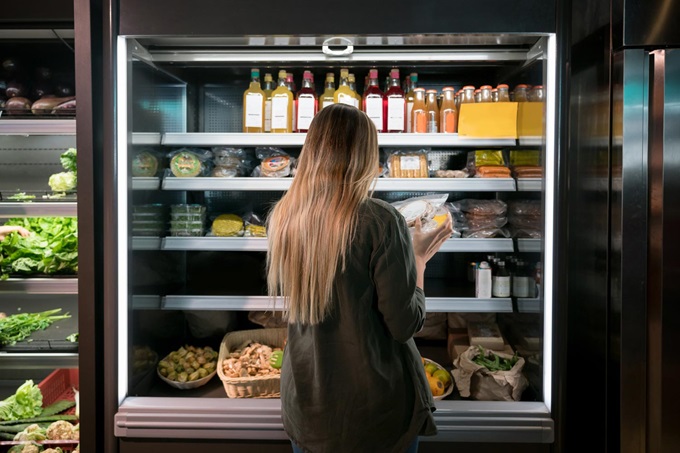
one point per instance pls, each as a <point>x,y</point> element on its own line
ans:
<point>282,107</point>
<point>268,88</point>
<point>326,98</point>
<point>253,104</point>
<point>353,86</point>
<point>344,94</point>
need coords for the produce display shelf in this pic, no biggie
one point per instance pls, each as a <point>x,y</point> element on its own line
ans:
<point>56,285</point>
<point>529,305</point>
<point>260,244</point>
<point>146,183</point>
<point>38,209</point>
<point>298,139</point>
<point>146,243</point>
<point>381,185</point>
<point>529,184</point>
<point>38,360</point>
<point>146,138</point>
<point>146,302</point>
<point>44,126</point>
<point>247,303</point>
<point>531,140</point>
<point>223,418</point>
<point>529,245</point>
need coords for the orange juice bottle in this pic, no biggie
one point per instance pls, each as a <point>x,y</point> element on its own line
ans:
<point>282,106</point>
<point>253,104</point>
<point>432,111</point>
<point>448,114</point>
<point>418,113</point>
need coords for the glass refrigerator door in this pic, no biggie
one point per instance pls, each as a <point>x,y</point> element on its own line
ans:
<point>190,293</point>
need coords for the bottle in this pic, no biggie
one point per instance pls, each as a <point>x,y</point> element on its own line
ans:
<point>396,104</point>
<point>483,281</point>
<point>501,281</point>
<point>410,96</point>
<point>520,281</point>
<point>432,111</point>
<point>353,86</point>
<point>373,102</point>
<point>290,84</point>
<point>537,94</point>
<point>326,98</point>
<point>419,114</point>
<point>521,93</point>
<point>485,93</point>
<point>268,88</point>
<point>253,104</point>
<point>468,95</point>
<point>448,114</point>
<point>307,102</point>
<point>478,95</point>
<point>494,95</point>
<point>344,95</point>
<point>503,93</point>
<point>282,106</point>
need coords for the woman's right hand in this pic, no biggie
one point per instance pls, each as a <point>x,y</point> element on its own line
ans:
<point>425,245</point>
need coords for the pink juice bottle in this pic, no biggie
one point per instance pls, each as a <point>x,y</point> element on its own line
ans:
<point>396,105</point>
<point>373,102</point>
<point>307,103</point>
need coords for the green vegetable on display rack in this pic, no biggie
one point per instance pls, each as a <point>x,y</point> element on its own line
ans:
<point>68,180</point>
<point>20,326</point>
<point>26,403</point>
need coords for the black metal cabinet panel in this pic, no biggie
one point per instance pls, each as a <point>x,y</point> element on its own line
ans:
<point>37,13</point>
<point>649,23</point>
<point>243,17</point>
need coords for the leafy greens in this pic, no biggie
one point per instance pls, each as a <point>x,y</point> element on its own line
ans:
<point>25,403</point>
<point>19,326</point>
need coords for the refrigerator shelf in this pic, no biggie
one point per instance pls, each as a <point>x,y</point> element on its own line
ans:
<point>529,305</point>
<point>248,303</point>
<point>56,285</point>
<point>260,244</point>
<point>38,361</point>
<point>382,184</point>
<point>146,138</point>
<point>146,243</point>
<point>529,245</point>
<point>217,417</point>
<point>531,141</point>
<point>529,184</point>
<point>28,127</point>
<point>38,209</point>
<point>146,183</point>
<point>298,139</point>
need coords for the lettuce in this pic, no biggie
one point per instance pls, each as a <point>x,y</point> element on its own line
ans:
<point>25,403</point>
<point>63,182</point>
<point>69,159</point>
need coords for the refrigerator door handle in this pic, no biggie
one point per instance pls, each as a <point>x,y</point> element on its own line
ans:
<point>338,41</point>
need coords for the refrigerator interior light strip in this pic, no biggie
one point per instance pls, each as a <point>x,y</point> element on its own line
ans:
<point>548,267</point>
<point>122,212</point>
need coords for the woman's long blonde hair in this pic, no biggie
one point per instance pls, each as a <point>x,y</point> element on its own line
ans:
<point>311,228</point>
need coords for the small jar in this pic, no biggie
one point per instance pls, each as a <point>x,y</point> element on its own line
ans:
<point>485,93</point>
<point>537,94</point>
<point>494,95</point>
<point>503,93</point>
<point>521,93</point>
<point>468,95</point>
<point>478,95</point>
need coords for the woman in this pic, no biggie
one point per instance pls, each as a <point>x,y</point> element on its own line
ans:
<point>352,282</point>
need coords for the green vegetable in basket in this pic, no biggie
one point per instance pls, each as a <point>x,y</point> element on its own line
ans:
<point>24,404</point>
<point>33,432</point>
<point>494,362</point>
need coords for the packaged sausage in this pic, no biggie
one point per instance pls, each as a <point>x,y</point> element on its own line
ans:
<point>408,164</point>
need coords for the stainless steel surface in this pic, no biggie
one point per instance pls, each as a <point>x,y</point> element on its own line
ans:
<point>298,139</point>
<point>247,303</point>
<point>381,185</point>
<point>529,305</point>
<point>146,302</point>
<point>146,183</point>
<point>38,361</point>
<point>146,243</point>
<point>38,209</point>
<point>146,138</point>
<point>529,245</point>
<point>227,418</point>
<point>37,127</point>
<point>527,140</point>
<point>529,184</point>
<point>39,286</point>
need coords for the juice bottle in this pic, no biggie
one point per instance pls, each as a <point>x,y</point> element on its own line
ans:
<point>307,102</point>
<point>290,84</point>
<point>503,93</point>
<point>253,104</point>
<point>521,93</point>
<point>396,104</point>
<point>468,95</point>
<point>432,111</point>
<point>282,106</point>
<point>326,98</point>
<point>410,96</point>
<point>485,93</point>
<point>268,88</point>
<point>419,114</point>
<point>353,86</point>
<point>373,102</point>
<point>344,95</point>
<point>448,114</point>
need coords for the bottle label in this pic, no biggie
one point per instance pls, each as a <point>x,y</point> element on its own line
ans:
<point>395,114</point>
<point>432,125</point>
<point>409,110</point>
<point>254,113</point>
<point>419,121</point>
<point>268,115</point>
<point>327,103</point>
<point>501,286</point>
<point>374,110</point>
<point>280,112</point>
<point>346,99</point>
<point>409,162</point>
<point>449,121</point>
<point>305,112</point>
<point>520,286</point>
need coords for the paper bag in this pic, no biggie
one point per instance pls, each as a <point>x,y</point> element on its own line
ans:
<point>477,382</point>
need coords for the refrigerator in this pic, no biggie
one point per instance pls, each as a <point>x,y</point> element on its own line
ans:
<point>168,77</point>
<point>30,150</point>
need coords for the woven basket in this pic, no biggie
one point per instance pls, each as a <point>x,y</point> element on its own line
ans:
<point>253,386</point>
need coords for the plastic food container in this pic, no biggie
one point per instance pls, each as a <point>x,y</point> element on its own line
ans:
<point>149,209</point>
<point>187,208</point>
<point>148,232</point>
<point>156,224</point>
<point>187,217</point>
<point>186,224</point>
<point>186,232</point>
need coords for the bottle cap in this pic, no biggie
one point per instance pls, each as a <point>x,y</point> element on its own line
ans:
<point>351,78</point>
<point>307,75</point>
<point>468,87</point>
<point>494,90</point>
<point>478,91</point>
<point>420,89</point>
<point>344,72</point>
<point>521,85</point>
<point>373,73</point>
<point>447,89</point>
<point>289,77</point>
<point>503,85</point>
<point>485,87</point>
<point>282,74</point>
<point>268,77</point>
<point>414,77</point>
<point>538,86</point>
<point>431,91</point>
<point>394,73</point>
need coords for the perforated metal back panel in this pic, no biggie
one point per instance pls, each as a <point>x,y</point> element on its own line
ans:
<point>159,104</point>
<point>222,108</point>
<point>26,163</point>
